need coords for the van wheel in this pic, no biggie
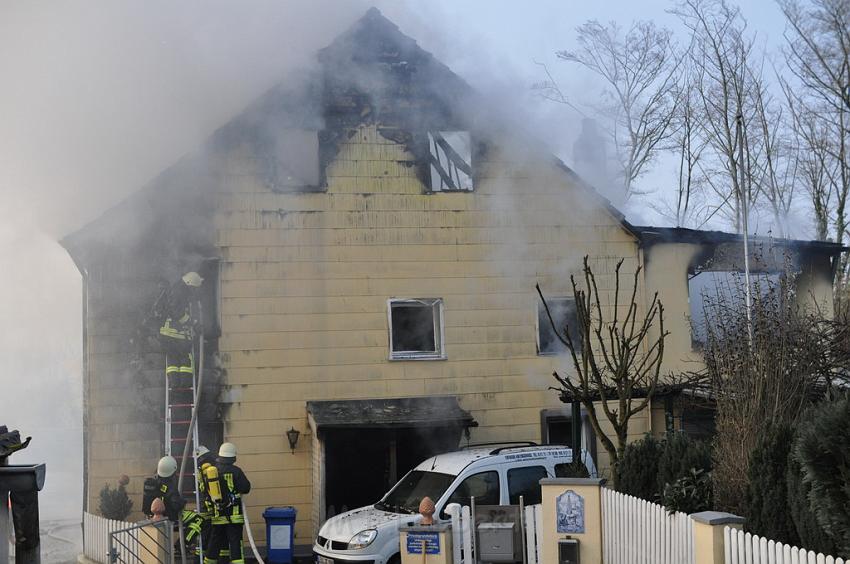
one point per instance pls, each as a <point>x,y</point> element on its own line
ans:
<point>395,559</point>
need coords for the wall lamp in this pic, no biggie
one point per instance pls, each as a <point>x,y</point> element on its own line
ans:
<point>292,436</point>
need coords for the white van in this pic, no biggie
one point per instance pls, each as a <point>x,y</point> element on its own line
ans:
<point>494,475</point>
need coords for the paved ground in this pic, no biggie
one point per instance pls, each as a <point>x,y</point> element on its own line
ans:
<point>61,542</point>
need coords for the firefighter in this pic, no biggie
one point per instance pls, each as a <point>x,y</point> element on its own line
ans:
<point>164,486</point>
<point>228,518</point>
<point>207,479</point>
<point>174,310</point>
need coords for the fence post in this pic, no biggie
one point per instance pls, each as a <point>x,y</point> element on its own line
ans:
<point>572,511</point>
<point>153,545</point>
<point>708,535</point>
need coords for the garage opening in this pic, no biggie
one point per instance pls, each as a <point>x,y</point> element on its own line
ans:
<point>368,445</point>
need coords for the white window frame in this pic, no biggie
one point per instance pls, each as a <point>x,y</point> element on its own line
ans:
<point>537,305</point>
<point>439,330</point>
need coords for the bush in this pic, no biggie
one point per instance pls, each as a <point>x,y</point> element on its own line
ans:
<point>575,469</point>
<point>767,489</point>
<point>637,470</point>
<point>115,503</point>
<point>690,493</point>
<point>806,527</point>
<point>679,455</point>
<point>822,448</point>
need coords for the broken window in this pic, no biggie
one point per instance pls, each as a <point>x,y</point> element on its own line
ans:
<point>297,159</point>
<point>563,312</point>
<point>416,328</point>
<point>711,293</point>
<point>451,161</point>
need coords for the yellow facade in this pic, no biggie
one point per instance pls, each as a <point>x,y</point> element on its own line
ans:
<point>305,280</point>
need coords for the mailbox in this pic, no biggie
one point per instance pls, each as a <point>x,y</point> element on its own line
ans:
<point>568,552</point>
<point>496,542</point>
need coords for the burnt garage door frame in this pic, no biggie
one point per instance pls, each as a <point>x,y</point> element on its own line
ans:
<point>437,421</point>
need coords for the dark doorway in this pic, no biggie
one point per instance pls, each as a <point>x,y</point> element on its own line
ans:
<point>559,431</point>
<point>362,464</point>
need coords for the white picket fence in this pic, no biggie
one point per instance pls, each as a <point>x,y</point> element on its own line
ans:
<point>96,531</point>
<point>745,548</point>
<point>533,533</point>
<point>635,530</point>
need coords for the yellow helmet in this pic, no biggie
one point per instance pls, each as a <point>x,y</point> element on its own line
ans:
<point>192,279</point>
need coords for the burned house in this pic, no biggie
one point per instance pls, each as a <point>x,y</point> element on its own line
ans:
<point>370,238</point>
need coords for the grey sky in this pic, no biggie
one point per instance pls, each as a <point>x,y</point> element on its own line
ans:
<point>99,96</point>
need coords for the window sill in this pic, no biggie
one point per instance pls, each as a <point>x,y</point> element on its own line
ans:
<point>414,356</point>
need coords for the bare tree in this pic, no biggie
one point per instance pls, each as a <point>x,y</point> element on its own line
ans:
<point>815,163</point>
<point>776,169</point>
<point>689,145</point>
<point>725,80</point>
<point>818,54</point>
<point>639,69</point>
<point>617,357</point>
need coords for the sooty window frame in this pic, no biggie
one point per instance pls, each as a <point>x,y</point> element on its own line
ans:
<point>556,347</point>
<point>449,170</point>
<point>436,307</point>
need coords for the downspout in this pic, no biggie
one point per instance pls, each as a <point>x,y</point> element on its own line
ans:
<point>86,387</point>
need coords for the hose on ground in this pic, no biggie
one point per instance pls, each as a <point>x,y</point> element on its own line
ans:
<point>250,535</point>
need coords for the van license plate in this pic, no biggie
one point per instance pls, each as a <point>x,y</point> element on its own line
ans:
<point>324,560</point>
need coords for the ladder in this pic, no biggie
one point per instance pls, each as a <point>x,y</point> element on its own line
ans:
<point>181,392</point>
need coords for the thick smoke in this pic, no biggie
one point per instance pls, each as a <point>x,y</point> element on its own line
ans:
<point>97,99</point>
<point>100,96</point>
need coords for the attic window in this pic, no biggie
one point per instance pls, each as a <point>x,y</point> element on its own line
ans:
<point>416,329</point>
<point>451,161</point>
<point>297,159</point>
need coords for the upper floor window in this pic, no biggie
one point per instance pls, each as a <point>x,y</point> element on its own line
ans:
<point>451,161</point>
<point>416,328</point>
<point>563,312</point>
<point>296,165</point>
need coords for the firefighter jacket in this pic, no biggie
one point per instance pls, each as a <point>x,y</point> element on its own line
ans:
<point>166,490</point>
<point>173,310</point>
<point>234,485</point>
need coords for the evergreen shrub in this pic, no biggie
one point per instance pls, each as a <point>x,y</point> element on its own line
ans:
<point>115,503</point>
<point>637,470</point>
<point>767,490</point>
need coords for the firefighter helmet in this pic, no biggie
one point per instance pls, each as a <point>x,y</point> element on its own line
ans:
<point>227,450</point>
<point>166,467</point>
<point>192,279</point>
<point>202,450</point>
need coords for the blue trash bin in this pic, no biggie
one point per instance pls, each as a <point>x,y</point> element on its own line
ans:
<point>280,534</point>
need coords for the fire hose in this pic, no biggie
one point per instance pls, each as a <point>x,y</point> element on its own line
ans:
<point>192,422</point>
<point>251,536</point>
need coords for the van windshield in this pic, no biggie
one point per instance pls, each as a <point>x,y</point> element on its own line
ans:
<point>406,495</point>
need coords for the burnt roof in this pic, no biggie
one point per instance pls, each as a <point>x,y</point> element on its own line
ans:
<point>372,73</point>
<point>650,235</point>
<point>432,411</point>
